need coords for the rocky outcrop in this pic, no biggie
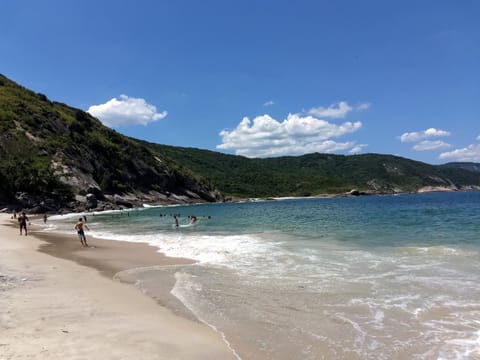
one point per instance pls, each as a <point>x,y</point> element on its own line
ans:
<point>450,188</point>
<point>427,189</point>
<point>92,202</point>
<point>35,204</point>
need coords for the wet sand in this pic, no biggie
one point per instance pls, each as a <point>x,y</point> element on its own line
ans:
<point>107,256</point>
<point>119,260</point>
<point>59,301</point>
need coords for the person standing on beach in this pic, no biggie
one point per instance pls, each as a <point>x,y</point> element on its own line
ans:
<point>80,232</point>
<point>45,218</point>
<point>22,221</point>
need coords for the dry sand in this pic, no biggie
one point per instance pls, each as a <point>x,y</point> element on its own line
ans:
<point>55,308</point>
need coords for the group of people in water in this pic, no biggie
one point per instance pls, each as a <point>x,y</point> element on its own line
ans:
<point>193,219</point>
<point>81,225</point>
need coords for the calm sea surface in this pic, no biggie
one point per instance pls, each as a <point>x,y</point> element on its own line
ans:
<point>384,277</point>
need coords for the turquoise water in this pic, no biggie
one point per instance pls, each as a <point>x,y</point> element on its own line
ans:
<point>345,278</point>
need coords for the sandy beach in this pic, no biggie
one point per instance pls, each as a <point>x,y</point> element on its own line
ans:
<point>59,301</point>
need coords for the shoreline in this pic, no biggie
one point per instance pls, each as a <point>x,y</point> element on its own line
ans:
<point>8,208</point>
<point>62,300</point>
<point>114,259</point>
<point>278,310</point>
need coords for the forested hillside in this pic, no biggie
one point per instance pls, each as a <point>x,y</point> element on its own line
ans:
<point>51,152</point>
<point>314,174</point>
<point>475,167</point>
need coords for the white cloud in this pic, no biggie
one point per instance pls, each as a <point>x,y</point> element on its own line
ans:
<point>470,154</point>
<point>338,110</point>
<point>420,135</point>
<point>269,103</point>
<point>265,136</point>
<point>430,145</point>
<point>357,148</point>
<point>126,111</point>
<point>478,138</point>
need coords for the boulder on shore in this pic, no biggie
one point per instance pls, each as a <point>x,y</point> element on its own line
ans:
<point>92,202</point>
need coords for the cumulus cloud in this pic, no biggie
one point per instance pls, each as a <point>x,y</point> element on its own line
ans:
<point>338,110</point>
<point>421,135</point>
<point>269,103</point>
<point>430,145</point>
<point>470,154</point>
<point>478,138</point>
<point>126,111</point>
<point>265,136</point>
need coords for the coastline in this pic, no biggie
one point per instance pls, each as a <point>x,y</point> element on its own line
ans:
<point>356,193</point>
<point>116,260</point>
<point>286,301</point>
<point>59,301</point>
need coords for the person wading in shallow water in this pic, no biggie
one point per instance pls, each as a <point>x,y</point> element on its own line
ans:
<point>80,232</point>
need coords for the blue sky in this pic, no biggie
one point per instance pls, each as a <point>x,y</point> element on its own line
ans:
<point>260,78</point>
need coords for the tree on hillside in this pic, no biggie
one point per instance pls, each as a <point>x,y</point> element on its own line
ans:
<point>23,170</point>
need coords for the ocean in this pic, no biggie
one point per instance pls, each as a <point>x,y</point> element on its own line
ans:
<point>370,277</point>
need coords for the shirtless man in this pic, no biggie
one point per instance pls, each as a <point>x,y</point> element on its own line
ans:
<point>80,233</point>
<point>22,221</point>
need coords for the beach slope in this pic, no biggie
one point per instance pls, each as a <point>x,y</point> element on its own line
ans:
<point>52,308</point>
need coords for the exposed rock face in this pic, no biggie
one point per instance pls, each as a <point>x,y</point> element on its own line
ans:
<point>35,203</point>
<point>93,189</point>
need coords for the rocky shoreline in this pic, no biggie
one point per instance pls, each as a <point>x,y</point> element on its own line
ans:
<point>95,201</point>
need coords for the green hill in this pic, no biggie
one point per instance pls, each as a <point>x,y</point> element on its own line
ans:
<point>50,152</point>
<point>475,167</point>
<point>315,174</point>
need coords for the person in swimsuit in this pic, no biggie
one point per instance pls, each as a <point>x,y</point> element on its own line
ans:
<point>80,232</point>
<point>22,221</point>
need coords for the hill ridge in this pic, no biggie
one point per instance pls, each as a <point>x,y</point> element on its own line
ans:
<point>53,156</point>
<point>314,174</point>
